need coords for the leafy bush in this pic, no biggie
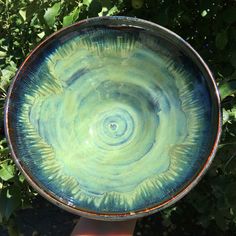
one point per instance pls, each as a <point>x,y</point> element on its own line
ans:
<point>209,26</point>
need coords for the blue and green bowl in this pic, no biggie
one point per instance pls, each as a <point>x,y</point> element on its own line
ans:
<point>113,118</point>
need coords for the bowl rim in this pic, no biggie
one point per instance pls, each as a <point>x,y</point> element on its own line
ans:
<point>53,198</point>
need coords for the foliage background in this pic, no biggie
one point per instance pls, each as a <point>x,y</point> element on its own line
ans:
<point>208,25</point>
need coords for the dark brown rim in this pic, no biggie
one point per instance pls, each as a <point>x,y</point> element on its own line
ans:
<point>115,216</point>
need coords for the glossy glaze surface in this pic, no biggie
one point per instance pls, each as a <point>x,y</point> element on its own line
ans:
<point>113,116</point>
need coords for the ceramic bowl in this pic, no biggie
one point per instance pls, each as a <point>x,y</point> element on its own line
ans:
<point>113,118</point>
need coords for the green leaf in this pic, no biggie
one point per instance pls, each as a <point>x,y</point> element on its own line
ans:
<point>10,200</point>
<point>229,116</point>
<point>221,40</point>
<point>2,54</point>
<point>204,13</point>
<point>6,171</point>
<point>23,14</point>
<point>103,11</point>
<point>225,116</point>
<point>5,75</point>
<point>87,2</point>
<point>51,14</point>
<point>71,18</point>
<point>67,20</point>
<point>21,178</point>
<point>114,10</point>
<point>41,35</point>
<point>227,88</point>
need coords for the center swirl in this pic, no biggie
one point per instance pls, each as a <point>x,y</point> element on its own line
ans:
<point>114,127</point>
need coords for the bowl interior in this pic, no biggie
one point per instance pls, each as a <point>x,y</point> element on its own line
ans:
<point>113,116</point>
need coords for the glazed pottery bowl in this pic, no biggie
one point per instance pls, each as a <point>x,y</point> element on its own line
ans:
<point>113,118</point>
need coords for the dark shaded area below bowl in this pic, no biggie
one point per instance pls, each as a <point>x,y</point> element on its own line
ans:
<point>45,219</point>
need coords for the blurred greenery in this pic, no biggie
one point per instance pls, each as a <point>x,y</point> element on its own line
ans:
<point>208,25</point>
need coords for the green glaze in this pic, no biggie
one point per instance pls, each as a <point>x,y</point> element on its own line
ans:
<point>113,121</point>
